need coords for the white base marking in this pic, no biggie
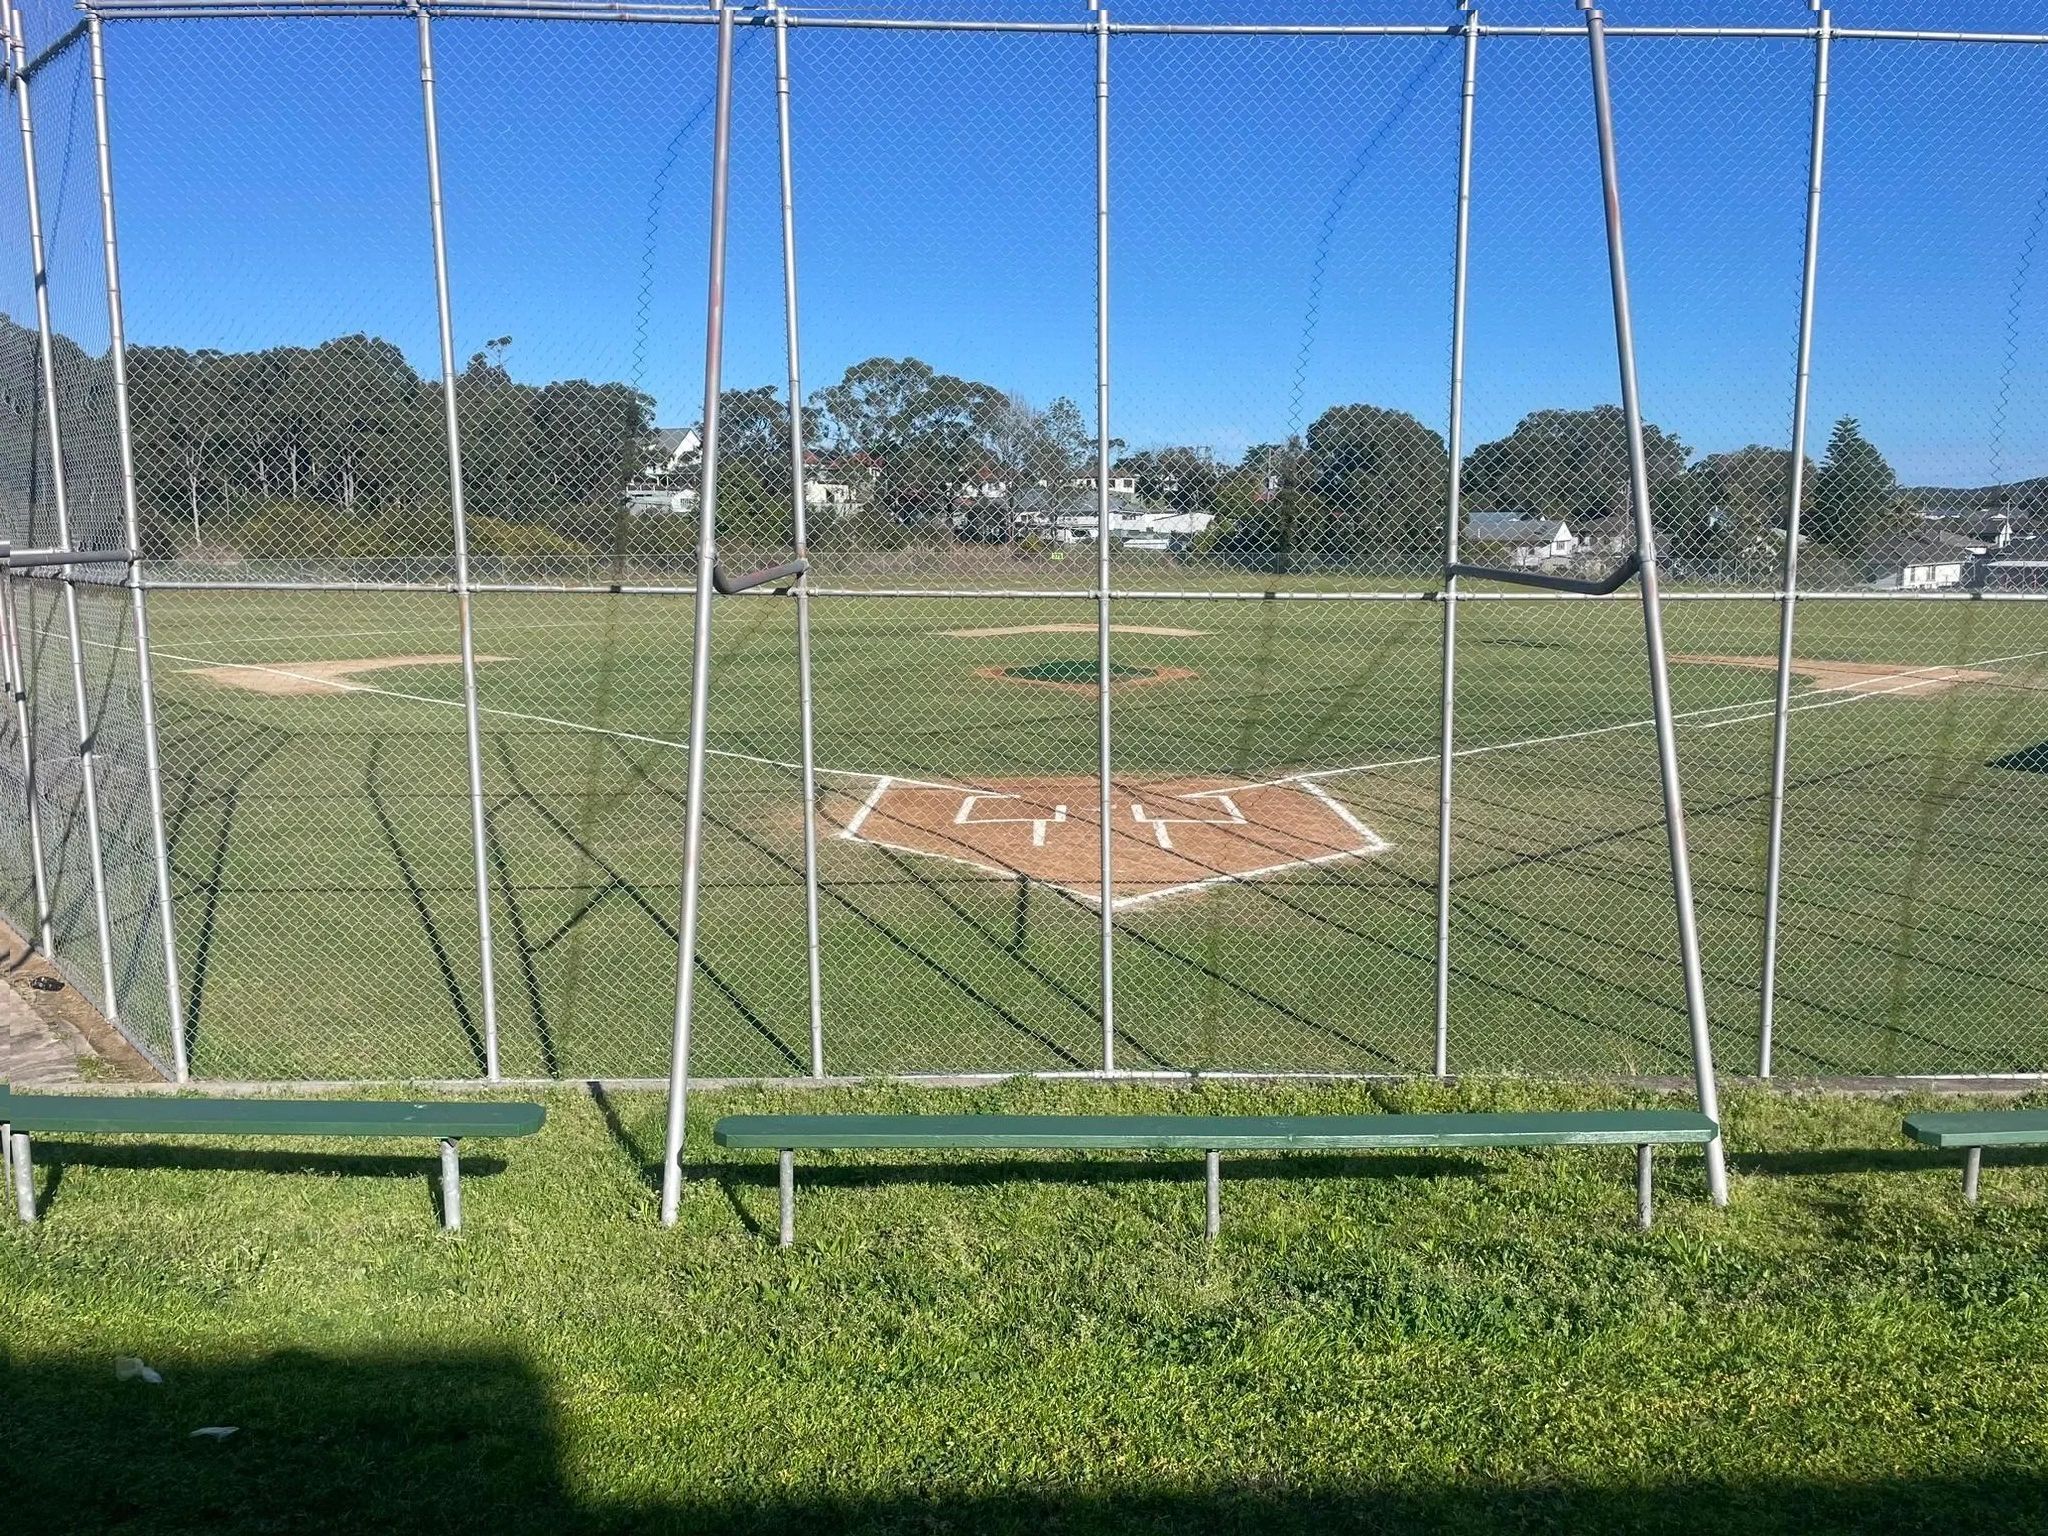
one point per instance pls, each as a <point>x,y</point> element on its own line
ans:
<point>966,818</point>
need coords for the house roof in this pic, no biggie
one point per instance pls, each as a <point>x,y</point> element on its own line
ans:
<point>1511,528</point>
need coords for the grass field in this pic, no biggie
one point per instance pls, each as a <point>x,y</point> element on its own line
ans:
<point>324,871</point>
<point>1413,1343</point>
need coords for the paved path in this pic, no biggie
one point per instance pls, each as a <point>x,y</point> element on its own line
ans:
<point>37,1050</point>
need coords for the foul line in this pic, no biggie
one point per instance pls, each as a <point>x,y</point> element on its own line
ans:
<point>1307,780</point>
<point>1309,777</point>
<point>345,686</point>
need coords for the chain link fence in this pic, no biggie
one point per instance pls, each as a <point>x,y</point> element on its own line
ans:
<point>416,538</point>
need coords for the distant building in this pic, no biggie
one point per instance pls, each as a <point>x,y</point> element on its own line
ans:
<point>1918,562</point>
<point>1531,541</point>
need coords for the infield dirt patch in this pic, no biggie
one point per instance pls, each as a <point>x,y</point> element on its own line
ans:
<point>1150,677</point>
<point>1167,836</point>
<point>1854,677</point>
<point>299,677</point>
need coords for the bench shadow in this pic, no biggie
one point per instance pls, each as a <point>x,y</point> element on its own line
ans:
<point>733,1178</point>
<point>54,1156</point>
<point>1907,1159</point>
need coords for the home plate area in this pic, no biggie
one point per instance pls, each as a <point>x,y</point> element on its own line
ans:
<point>1167,836</point>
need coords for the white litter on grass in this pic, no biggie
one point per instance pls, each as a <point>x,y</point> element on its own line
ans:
<point>214,1432</point>
<point>128,1368</point>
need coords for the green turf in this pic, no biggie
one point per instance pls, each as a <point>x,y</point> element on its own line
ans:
<point>324,879</point>
<point>1455,1343</point>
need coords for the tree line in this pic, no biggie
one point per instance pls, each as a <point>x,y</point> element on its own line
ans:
<point>340,449</point>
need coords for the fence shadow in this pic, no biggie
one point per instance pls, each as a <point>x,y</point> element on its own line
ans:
<point>470,1442</point>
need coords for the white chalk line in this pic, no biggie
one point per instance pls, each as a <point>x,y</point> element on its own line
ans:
<point>1872,693</point>
<point>1868,692</point>
<point>1306,780</point>
<point>346,686</point>
<point>1374,844</point>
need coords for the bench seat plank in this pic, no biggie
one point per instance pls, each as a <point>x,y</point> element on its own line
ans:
<point>1215,1132</point>
<point>1986,1128</point>
<point>95,1114</point>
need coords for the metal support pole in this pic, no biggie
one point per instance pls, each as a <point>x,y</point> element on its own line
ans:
<point>1104,783</point>
<point>459,517</point>
<point>31,788</point>
<point>88,767</point>
<point>24,1179</point>
<point>138,603</point>
<point>451,1186</point>
<point>1643,1194</point>
<point>1973,1168</point>
<point>785,1181</point>
<point>1453,512</point>
<point>799,522</point>
<point>700,650</point>
<point>1794,500</point>
<point>1214,1180</point>
<point>1653,620</point>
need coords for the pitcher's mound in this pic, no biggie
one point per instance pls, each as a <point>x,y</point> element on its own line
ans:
<point>1082,676</point>
<point>287,677</point>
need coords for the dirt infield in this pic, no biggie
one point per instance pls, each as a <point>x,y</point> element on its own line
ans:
<point>1150,678</point>
<point>301,677</point>
<point>1852,677</point>
<point>1169,836</point>
<point>1073,629</point>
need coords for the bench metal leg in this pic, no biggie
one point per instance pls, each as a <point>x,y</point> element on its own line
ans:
<point>451,1186</point>
<point>1973,1165</point>
<point>24,1176</point>
<point>1643,1196</point>
<point>1215,1181</point>
<point>6,1154</point>
<point>786,1177</point>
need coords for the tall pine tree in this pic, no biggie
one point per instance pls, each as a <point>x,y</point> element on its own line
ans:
<point>1855,492</point>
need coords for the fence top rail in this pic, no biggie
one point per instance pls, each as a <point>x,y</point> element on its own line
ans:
<point>1088,594</point>
<point>695,12</point>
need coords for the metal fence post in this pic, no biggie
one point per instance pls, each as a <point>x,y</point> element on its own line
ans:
<point>17,692</point>
<point>1453,511</point>
<point>1794,501</point>
<point>145,681</point>
<point>799,523</point>
<point>1653,622</point>
<point>1102,766</point>
<point>88,768</point>
<point>478,832</point>
<point>700,649</point>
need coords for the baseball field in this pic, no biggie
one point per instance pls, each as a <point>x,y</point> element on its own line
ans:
<point>1274,820</point>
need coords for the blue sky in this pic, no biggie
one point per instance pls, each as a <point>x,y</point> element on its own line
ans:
<point>272,190</point>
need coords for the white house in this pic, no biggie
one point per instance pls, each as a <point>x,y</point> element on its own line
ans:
<point>1531,541</point>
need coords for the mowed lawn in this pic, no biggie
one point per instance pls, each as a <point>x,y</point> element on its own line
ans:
<point>321,841</point>
<point>1466,1342</point>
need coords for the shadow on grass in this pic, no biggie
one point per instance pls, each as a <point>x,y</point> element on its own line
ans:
<point>462,1442</point>
<point>733,1178</point>
<point>1823,1160</point>
<point>53,1157</point>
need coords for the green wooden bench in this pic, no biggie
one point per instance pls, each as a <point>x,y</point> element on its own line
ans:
<point>1209,1134</point>
<point>1974,1131</point>
<point>28,1115</point>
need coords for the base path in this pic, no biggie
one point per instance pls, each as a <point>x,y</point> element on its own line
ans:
<point>1858,677</point>
<point>1168,836</point>
<point>295,677</point>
